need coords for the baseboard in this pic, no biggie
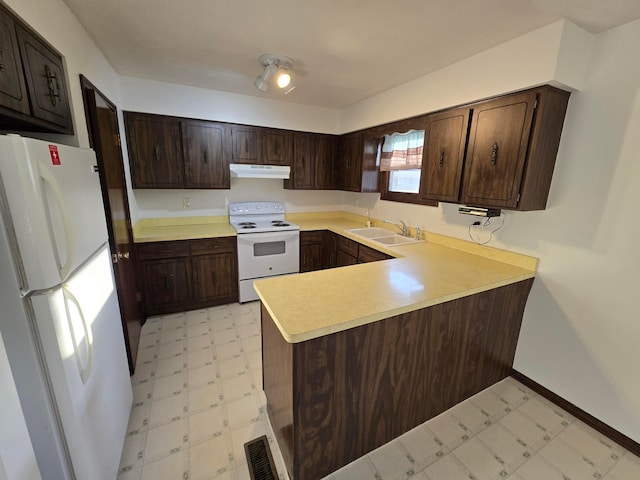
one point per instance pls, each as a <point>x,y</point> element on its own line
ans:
<point>609,432</point>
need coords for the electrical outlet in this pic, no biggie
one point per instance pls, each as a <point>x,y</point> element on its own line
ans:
<point>186,202</point>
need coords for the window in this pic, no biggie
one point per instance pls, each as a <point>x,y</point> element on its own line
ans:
<point>401,167</point>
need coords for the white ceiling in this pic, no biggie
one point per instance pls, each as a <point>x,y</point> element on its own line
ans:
<point>343,50</point>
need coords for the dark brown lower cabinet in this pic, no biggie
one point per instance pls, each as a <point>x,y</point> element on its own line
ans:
<point>346,252</point>
<point>335,398</point>
<point>188,274</point>
<point>324,249</point>
<point>215,271</point>
<point>368,254</point>
<point>311,251</point>
<point>166,283</point>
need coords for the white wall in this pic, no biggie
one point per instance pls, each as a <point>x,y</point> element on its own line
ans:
<point>169,203</point>
<point>150,96</point>
<point>581,333</point>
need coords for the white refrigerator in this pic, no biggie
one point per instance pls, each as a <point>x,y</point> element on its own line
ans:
<point>59,314</point>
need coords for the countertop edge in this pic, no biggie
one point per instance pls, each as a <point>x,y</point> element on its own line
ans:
<point>358,322</point>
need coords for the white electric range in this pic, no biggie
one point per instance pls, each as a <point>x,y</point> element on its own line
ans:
<point>268,245</point>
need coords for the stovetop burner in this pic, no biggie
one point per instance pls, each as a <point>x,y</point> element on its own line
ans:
<point>259,217</point>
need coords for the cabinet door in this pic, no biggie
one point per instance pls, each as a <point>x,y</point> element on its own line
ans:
<point>347,252</point>
<point>155,151</point>
<point>343,258</point>
<point>206,163</point>
<point>276,147</point>
<point>215,277</point>
<point>166,283</point>
<point>324,159</point>
<point>302,165</point>
<point>357,170</point>
<point>353,163</point>
<point>497,150</point>
<point>367,254</point>
<point>244,144</point>
<point>443,155</point>
<point>348,166</point>
<point>45,80</point>
<point>311,251</point>
<point>13,90</point>
<point>330,249</point>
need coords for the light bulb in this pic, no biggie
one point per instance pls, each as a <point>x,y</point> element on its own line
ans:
<point>284,79</point>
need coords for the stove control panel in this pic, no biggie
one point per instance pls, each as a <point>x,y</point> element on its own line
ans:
<point>256,208</point>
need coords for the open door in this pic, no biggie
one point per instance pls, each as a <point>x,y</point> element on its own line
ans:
<point>104,136</point>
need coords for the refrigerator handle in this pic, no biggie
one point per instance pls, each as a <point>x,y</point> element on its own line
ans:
<point>83,369</point>
<point>65,269</point>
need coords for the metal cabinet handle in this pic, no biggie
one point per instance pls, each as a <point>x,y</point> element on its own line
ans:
<point>53,84</point>
<point>205,157</point>
<point>441,157</point>
<point>1,60</point>
<point>156,152</point>
<point>494,153</point>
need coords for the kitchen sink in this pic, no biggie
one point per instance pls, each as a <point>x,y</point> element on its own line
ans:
<point>383,236</point>
<point>373,232</point>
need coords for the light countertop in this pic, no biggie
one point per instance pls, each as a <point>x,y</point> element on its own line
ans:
<point>187,228</point>
<point>313,304</point>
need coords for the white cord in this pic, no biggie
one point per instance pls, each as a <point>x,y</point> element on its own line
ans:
<point>487,222</point>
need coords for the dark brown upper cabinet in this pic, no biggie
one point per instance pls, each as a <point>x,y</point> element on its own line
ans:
<point>155,151</point>
<point>33,85</point>
<point>303,163</point>
<point>13,89</point>
<point>258,145</point>
<point>245,144</point>
<point>276,146</point>
<point>443,155</point>
<point>355,166</point>
<point>326,146</point>
<point>512,148</point>
<point>205,156</point>
<point>312,162</point>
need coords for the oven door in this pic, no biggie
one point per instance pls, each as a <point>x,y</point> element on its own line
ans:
<point>267,254</point>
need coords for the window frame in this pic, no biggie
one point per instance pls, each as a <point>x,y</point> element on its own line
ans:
<point>417,198</point>
<point>419,123</point>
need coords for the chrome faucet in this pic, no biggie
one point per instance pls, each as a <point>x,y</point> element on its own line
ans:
<point>404,228</point>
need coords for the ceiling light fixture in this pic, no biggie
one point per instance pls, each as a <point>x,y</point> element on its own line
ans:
<point>278,67</point>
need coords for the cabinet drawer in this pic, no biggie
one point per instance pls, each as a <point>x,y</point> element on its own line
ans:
<point>150,251</point>
<point>309,238</point>
<point>213,245</point>
<point>348,246</point>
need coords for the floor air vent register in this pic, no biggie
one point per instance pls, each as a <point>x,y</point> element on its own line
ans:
<point>260,460</point>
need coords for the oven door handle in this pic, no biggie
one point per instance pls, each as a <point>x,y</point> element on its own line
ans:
<point>252,238</point>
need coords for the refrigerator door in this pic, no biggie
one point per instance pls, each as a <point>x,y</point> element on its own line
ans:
<point>55,204</point>
<point>17,458</point>
<point>80,329</point>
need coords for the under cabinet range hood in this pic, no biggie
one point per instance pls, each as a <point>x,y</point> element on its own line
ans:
<point>241,170</point>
